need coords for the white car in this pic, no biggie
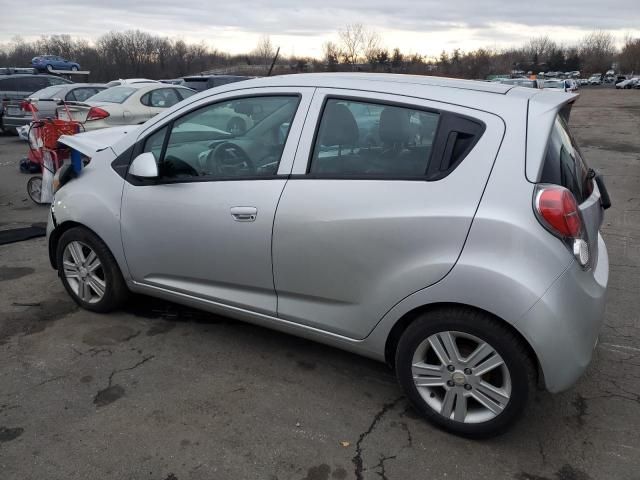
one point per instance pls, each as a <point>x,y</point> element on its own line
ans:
<point>556,84</point>
<point>595,79</point>
<point>628,83</point>
<point>125,105</point>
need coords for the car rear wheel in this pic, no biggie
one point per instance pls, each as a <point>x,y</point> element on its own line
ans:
<point>74,69</point>
<point>465,371</point>
<point>49,68</point>
<point>89,272</point>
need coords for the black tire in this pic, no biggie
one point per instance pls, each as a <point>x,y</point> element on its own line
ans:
<point>74,69</point>
<point>115,292</point>
<point>490,330</point>
<point>49,68</point>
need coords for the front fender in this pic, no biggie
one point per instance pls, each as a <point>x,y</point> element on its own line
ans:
<point>93,200</point>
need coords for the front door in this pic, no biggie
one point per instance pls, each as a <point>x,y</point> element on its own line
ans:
<point>203,229</point>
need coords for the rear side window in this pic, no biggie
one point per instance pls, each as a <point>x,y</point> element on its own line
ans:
<point>564,164</point>
<point>362,139</point>
<point>56,81</point>
<point>81,94</point>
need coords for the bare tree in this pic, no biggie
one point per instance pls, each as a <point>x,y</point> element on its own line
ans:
<point>629,58</point>
<point>331,54</point>
<point>264,51</point>
<point>597,52</point>
<point>538,49</point>
<point>352,39</point>
<point>371,45</point>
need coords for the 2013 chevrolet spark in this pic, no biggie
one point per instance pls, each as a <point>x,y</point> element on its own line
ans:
<point>447,227</point>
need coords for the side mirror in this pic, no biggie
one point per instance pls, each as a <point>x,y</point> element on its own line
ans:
<point>144,166</point>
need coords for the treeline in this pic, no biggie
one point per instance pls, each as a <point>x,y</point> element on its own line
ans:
<point>595,53</point>
<point>140,54</point>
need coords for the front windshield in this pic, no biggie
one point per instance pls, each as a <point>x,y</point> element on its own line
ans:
<point>113,95</point>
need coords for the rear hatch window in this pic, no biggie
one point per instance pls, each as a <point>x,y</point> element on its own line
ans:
<point>564,165</point>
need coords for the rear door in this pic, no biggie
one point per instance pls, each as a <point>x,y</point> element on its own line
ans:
<point>382,195</point>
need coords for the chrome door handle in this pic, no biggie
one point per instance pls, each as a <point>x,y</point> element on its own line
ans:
<point>244,214</point>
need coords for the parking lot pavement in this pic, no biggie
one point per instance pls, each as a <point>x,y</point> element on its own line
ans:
<point>162,392</point>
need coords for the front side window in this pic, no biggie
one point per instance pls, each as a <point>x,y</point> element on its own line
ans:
<point>243,137</point>
<point>362,139</point>
<point>57,81</point>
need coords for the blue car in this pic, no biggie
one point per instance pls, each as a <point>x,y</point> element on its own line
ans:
<point>53,62</point>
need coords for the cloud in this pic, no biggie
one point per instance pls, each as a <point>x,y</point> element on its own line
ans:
<point>303,25</point>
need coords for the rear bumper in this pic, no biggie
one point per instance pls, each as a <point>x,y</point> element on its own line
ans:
<point>563,326</point>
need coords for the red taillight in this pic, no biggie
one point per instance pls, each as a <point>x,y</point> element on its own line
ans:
<point>96,113</point>
<point>558,209</point>
<point>28,106</point>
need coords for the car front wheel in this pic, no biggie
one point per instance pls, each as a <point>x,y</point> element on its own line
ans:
<point>465,371</point>
<point>89,272</point>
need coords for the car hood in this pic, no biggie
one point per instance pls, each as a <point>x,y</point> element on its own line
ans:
<point>91,142</point>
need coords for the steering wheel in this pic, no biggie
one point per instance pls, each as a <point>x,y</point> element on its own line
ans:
<point>174,167</point>
<point>228,160</point>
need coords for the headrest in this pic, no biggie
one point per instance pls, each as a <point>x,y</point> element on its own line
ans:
<point>338,126</point>
<point>394,125</point>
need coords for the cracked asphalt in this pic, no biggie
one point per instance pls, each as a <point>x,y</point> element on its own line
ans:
<point>163,392</point>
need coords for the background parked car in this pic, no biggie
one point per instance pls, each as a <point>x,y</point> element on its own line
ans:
<point>125,105</point>
<point>204,82</point>
<point>521,82</point>
<point>627,83</point>
<point>557,84</point>
<point>46,101</point>
<point>53,62</point>
<point>595,79</point>
<point>15,88</point>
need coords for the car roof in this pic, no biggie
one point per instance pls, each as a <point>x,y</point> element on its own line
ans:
<point>336,80</point>
<point>71,86</point>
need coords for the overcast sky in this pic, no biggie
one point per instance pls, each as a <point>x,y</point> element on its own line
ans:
<point>301,26</point>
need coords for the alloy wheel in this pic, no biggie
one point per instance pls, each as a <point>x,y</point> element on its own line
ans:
<point>84,272</point>
<point>461,377</point>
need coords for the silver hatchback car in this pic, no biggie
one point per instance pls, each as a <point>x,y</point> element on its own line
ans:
<point>447,227</point>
